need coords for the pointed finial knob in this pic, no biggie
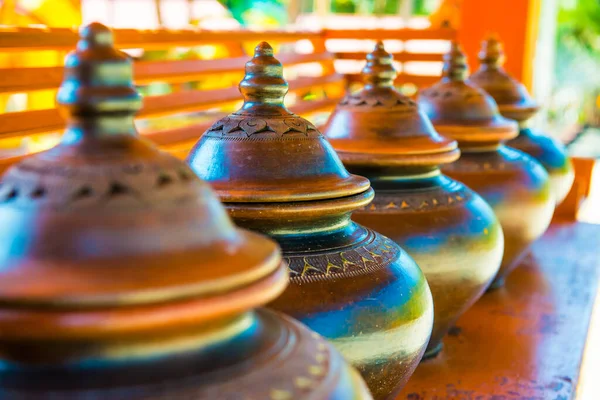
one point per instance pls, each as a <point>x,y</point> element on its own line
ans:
<point>98,79</point>
<point>95,35</point>
<point>263,83</point>
<point>491,54</point>
<point>379,70</point>
<point>455,64</point>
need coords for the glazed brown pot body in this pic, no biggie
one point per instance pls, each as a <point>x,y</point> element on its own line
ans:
<point>511,182</point>
<point>122,276</point>
<point>517,188</point>
<point>515,102</point>
<point>350,284</point>
<point>449,230</point>
<point>278,175</point>
<point>259,354</point>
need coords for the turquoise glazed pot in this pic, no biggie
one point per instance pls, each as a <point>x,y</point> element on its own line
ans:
<point>278,175</point>
<point>514,184</point>
<point>449,230</point>
<point>515,102</point>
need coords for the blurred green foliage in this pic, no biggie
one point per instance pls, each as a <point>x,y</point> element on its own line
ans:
<point>578,60</point>
<point>268,13</point>
<point>248,11</point>
<point>579,24</point>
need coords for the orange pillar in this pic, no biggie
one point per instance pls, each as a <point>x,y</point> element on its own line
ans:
<point>514,21</point>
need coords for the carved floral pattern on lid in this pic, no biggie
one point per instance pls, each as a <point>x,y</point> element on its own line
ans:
<point>462,110</point>
<point>263,114</point>
<point>265,153</point>
<point>379,75</point>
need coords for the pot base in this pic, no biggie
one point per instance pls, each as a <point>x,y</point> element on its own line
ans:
<point>497,284</point>
<point>433,352</point>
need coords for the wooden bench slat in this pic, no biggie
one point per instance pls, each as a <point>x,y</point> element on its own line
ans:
<point>400,56</point>
<point>175,136</point>
<point>394,34</point>
<point>169,137</point>
<point>21,39</point>
<point>15,80</point>
<point>41,121</point>
<point>18,80</point>
<point>421,81</point>
<point>199,100</point>
<point>23,123</point>
<point>306,107</point>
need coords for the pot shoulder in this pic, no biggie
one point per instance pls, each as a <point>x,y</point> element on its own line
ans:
<point>548,151</point>
<point>415,215</point>
<point>369,298</point>
<point>345,267</point>
<point>502,174</point>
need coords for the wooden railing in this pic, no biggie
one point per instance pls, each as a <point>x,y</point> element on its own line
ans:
<point>403,57</point>
<point>197,90</point>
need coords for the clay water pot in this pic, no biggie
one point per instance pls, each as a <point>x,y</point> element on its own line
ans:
<point>512,182</point>
<point>278,175</point>
<point>515,102</point>
<point>122,276</point>
<point>450,231</point>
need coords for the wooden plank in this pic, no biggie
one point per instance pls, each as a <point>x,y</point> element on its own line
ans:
<point>400,56</point>
<point>398,34</point>
<point>22,39</point>
<point>178,136</point>
<point>16,80</point>
<point>170,137</point>
<point>524,341</point>
<point>41,121</point>
<point>23,123</point>
<point>307,107</point>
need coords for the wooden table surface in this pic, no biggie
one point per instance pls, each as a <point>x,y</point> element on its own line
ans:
<point>524,341</point>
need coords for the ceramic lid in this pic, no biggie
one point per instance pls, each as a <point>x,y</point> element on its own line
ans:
<point>511,96</point>
<point>380,126</point>
<point>462,110</point>
<point>106,220</point>
<point>264,152</point>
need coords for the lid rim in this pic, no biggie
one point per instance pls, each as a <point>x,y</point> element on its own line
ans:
<point>399,160</point>
<point>127,297</point>
<point>353,185</point>
<point>302,206</point>
<point>16,323</point>
<point>519,113</point>
<point>480,133</point>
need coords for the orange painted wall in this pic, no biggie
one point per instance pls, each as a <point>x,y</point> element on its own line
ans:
<point>510,20</point>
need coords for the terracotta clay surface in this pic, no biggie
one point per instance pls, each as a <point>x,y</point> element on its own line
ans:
<point>515,102</point>
<point>450,231</point>
<point>122,276</point>
<point>278,175</point>
<point>512,182</point>
<point>525,340</point>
